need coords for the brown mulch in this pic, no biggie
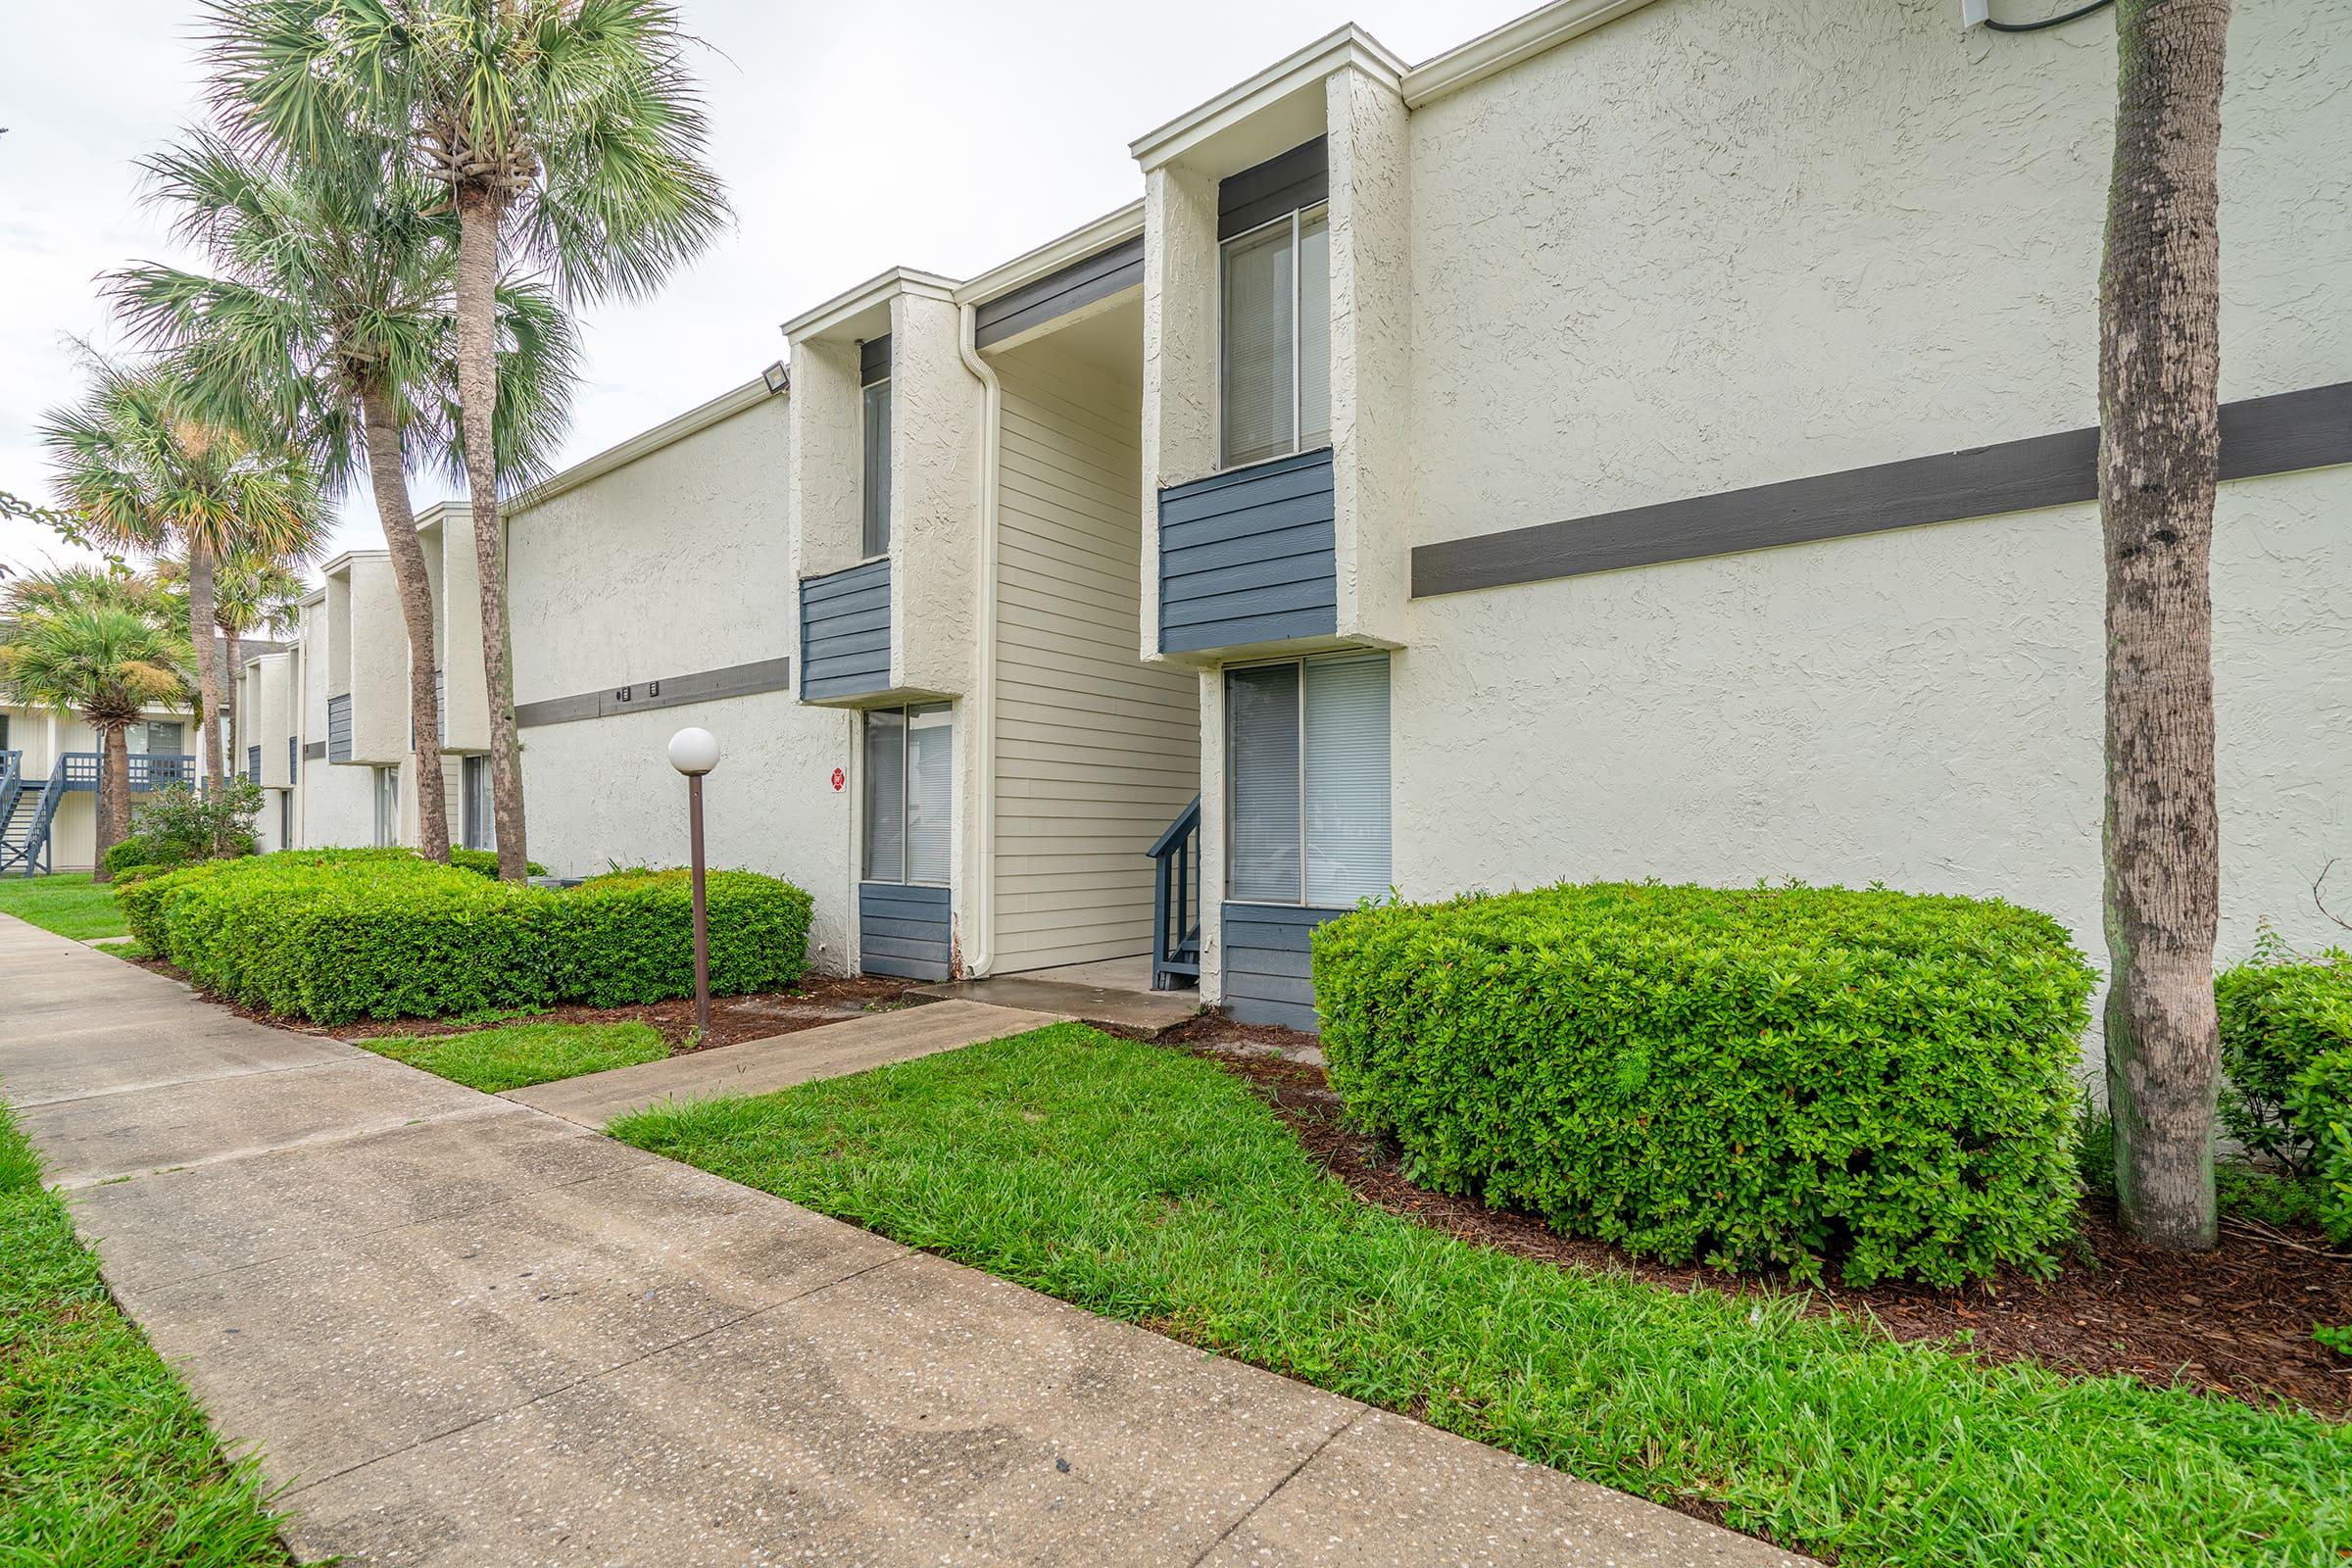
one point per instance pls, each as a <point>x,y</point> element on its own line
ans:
<point>822,999</point>
<point>2236,1321</point>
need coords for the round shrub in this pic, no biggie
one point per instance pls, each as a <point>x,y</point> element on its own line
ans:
<point>1795,1077</point>
<point>2320,1101</point>
<point>2281,1012</point>
<point>146,849</point>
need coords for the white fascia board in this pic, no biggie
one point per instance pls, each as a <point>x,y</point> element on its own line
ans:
<point>866,296</point>
<point>1507,45</point>
<point>340,564</point>
<point>1349,45</point>
<point>669,432</point>
<point>1055,255</point>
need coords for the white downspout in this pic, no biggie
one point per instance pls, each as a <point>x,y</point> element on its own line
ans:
<point>980,950</point>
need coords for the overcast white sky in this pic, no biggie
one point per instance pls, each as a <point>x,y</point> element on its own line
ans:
<point>851,138</point>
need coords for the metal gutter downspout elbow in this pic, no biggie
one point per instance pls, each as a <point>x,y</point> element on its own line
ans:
<point>980,950</point>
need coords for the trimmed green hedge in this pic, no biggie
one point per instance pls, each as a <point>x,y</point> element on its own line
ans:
<point>1800,1077</point>
<point>2281,1012</point>
<point>484,863</point>
<point>2321,1102</point>
<point>337,934</point>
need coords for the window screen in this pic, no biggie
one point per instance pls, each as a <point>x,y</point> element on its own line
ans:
<point>876,478</point>
<point>886,796</point>
<point>1347,778</point>
<point>1307,746</point>
<point>1259,299</point>
<point>1261,710</point>
<point>929,780</point>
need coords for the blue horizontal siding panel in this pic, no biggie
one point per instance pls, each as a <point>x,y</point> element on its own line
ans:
<point>844,632</point>
<point>903,930</point>
<point>1249,557</point>
<point>338,729</point>
<point>1265,949</point>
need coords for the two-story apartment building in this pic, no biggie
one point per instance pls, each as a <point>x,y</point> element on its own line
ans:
<point>1652,439</point>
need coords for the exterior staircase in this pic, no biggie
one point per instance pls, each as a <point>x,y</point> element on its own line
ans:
<point>1176,903</point>
<point>27,808</point>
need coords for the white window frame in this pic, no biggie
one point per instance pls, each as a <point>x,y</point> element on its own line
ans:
<point>1295,220</point>
<point>865,828</point>
<point>1298,661</point>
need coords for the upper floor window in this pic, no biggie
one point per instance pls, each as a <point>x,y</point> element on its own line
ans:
<point>874,422</point>
<point>1274,387</point>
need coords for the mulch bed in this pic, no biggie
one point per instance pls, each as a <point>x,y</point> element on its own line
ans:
<point>822,999</point>
<point>2236,1321</point>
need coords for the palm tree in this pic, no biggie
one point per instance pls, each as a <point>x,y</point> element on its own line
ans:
<point>566,132</point>
<point>327,310</point>
<point>93,642</point>
<point>144,468</point>
<point>2159,459</point>
<point>249,593</point>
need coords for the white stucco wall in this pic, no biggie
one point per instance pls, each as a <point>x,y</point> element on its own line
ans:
<point>675,564</point>
<point>1719,243</point>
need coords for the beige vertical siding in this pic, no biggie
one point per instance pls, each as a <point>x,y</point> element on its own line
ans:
<point>1096,752</point>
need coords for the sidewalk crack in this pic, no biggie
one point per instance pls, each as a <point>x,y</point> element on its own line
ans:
<point>1250,1513</point>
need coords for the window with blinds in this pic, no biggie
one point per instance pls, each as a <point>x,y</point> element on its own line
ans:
<point>875,480</point>
<point>1274,385</point>
<point>909,780</point>
<point>1307,780</point>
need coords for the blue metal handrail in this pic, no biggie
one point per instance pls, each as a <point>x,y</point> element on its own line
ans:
<point>30,853</point>
<point>1175,902</point>
<point>11,781</point>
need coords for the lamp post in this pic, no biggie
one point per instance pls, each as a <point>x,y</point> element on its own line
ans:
<point>694,753</point>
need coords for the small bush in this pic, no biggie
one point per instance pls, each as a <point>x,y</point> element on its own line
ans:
<point>184,826</point>
<point>2320,1101</point>
<point>145,851</point>
<point>1786,1077</point>
<point>484,863</point>
<point>2281,1012</point>
<point>337,934</point>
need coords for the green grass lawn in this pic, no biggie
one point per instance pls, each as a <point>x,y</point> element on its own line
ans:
<point>68,903</point>
<point>1153,1185</point>
<point>105,1461</point>
<point>524,1053</point>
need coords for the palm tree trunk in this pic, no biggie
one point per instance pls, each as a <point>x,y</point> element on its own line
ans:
<point>201,622</point>
<point>389,479</point>
<point>2159,452</point>
<point>234,645</point>
<point>478,215</point>
<point>114,795</point>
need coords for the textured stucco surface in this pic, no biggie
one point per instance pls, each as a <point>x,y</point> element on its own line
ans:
<point>1371,351</point>
<point>1180,356</point>
<point>1724,242</point>
<point>458,628</point>
<point>332,807</point>
<point>677,562</point>
<point>935,435</point>
<point>375,641</point>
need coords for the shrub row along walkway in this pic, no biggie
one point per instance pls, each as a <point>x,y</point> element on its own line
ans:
<point>463,1331</point>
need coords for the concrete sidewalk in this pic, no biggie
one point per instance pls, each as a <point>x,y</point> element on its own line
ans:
<point>463,1332</point>
<point>763,1066</point>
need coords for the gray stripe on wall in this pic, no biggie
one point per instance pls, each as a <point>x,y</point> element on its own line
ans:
<point>1249,557</point>
<point>1283,183</point>
<point>1264,947</point>
<point>903,930</point>
<point>2293,430</point>
<point>1081,283</point>
<point>669,691</point>
<point>844,632</point>
<point>314,751</point>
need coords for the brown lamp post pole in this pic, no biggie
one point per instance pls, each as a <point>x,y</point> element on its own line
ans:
<point>694,753</point>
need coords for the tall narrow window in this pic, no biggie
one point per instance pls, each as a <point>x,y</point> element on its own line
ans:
<point>909,782</point>
<point>873,375</point>
<point>387,808</point>
<point>1307,769</point>
<point>1274,385</point>
<point>481,823</point>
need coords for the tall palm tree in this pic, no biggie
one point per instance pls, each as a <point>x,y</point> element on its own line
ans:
<point>327,309</point>
<point>566,131</point>
<point>249,593</point>
<point>92,643</point>
<point>2160,442</point>
<point>144,467</point>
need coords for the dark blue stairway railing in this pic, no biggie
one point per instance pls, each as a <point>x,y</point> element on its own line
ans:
<point>1176,903</point>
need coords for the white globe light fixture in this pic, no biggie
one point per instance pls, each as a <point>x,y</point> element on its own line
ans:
<point>694,752</point>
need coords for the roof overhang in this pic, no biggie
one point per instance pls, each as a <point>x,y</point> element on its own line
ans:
<point>853,313</point>
<point>1111,228</point>
<point>1288,78</point>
